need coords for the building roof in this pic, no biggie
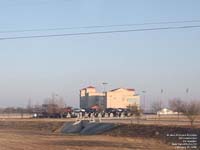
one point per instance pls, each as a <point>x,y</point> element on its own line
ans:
<point>122,88</point>
<point>131,89</point>
<point>115,89</point>
<point>92,87</point>
<point>89,87</point>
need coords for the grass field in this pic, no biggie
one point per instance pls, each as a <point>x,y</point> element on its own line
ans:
<point>41,134</point>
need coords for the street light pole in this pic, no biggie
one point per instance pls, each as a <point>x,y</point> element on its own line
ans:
<point>104,91</point>
<point>187,93</point>
<point>144,92</point>
<point>161,98</point>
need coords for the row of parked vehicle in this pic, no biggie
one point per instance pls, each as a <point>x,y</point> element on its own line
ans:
<point>88,112</point>
<point>106,112</point>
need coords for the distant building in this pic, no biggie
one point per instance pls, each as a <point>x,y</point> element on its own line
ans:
<point>121,98</point>
<point>89,97</point>
<point>166,111</point>
<point>117,98</point>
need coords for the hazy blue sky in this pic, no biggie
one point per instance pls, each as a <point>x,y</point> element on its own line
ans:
<point>151,60</point>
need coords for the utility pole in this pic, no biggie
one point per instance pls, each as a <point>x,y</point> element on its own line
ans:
<point>161,98</point>
<point>104,91</point>
<point>144,100</point>
<point>187,94</point>
<point>104,87</point>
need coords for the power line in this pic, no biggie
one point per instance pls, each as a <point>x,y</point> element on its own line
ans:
<point>97,32</point>
<point>100,26</point>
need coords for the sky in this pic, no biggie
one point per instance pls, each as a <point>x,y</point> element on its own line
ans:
<point>147,60</point>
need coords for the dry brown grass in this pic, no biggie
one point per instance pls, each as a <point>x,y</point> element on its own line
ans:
<point>38,135</point>
<point>27,140</point>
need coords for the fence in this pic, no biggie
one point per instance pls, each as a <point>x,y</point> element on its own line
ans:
<point>14,116</point>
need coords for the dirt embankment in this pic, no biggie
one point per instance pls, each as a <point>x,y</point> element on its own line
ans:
<point>41,135</point>
<point>47,126</point>
<point>137,130</point>
<point>154,131</point>
<point>134,130</point>
<point>128,130</point>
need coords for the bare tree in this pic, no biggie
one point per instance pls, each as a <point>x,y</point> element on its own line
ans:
<point>176,105</point>
<point>135,111</point>
<point>10,110</point>
<point>1,110</point>
<point>157,106</point>
<point>50,106</point>
<point>191,110</point>
<point>29,107</point>
<point>61,105</point>
<point>60,102</point>
<point>21,111</point>
<point>54,106</point>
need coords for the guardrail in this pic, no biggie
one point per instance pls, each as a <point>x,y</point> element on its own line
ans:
<point>15,116</point>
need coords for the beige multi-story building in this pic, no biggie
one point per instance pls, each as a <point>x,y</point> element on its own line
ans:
<point>89,97</point>
<point>117,98</point>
